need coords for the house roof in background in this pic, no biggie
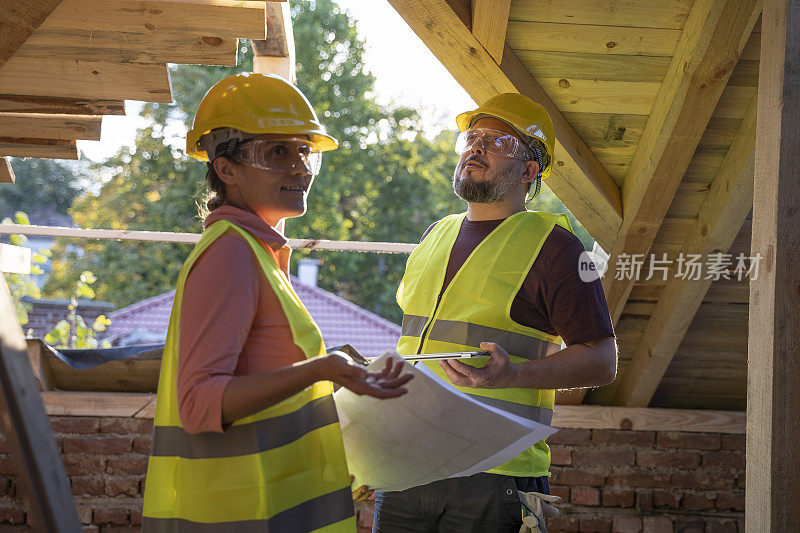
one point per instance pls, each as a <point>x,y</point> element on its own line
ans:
<point>341,321</point>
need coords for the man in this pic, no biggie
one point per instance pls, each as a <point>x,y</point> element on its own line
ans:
<point>503,279</point>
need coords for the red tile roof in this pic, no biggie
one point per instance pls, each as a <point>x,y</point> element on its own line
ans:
<point>341,322</point>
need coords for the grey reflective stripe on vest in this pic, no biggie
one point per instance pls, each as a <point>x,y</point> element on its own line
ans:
<point>413,325</point>
<point>312,514</point>
<point>537,414</point>
<point>171,441</point>
<point>468,334</point>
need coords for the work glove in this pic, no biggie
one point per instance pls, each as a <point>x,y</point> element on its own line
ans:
<point>535,508</point>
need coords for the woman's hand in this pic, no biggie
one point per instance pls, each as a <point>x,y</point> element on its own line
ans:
<point>388,383</point>
<point>362,493</point>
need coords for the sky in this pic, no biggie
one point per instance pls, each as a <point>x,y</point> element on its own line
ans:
<point>406,72</point>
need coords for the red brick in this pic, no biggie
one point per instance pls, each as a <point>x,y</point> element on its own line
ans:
<point>665,498</point>
<point>136,516</point>
<point>97,445</point>
<point>7,466</point>
<point>571,437</point>
<point>120,529</point>
<point>12,512</point>
<point>724,461</point>
<point>81,465</point>
<point>85,513</point>
<point>126,426</point>
<point>585,496</point>
<point>92,485</point>
<point>565,523</point>
<point>603,457</point>
<point>142,444</point>
<point>689,525</point>
<point>5,484</point>
<point>644,501</point>
<point>682,460</point>
<point>122,485</point>
<point>91,529</point>
<point>577,477</point>
<point>561,492</point>
<point>4,445</point>
<point>697,502</point>
<point>626,524</point>
<point>595,525</point>
<point>111,515</point>
<point>657,524</point>
<point>622,437</point>
<point>733,442</point>
<point>618,497</point>
<point>127,464</point>
<point>560,456</point>
<point>720,526</point>
<point>692,441</point>
<point>639,479</point>
<point>701,481</point>
<point>740,481</point>
<point>730,501</point>
<point>75,424</point>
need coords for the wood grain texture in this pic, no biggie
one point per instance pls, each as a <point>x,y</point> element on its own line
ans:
<point>41,126</point>
<point>6,172</point>
<point>115,404</point>
<point>707,52</point>
<point>598,67</point>
<point>773,407</point>
<point>276,53</point>
<point>578,178</point>
<point>13,103</point>
<point>489,24</point>
<point>641,14</point>
<point>42,148</point>
<point>18,20</point>
<point>644,419</point>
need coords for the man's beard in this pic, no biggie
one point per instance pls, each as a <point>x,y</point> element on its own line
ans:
<point>495,187</point>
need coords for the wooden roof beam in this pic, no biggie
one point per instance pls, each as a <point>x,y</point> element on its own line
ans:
<point>275,54</point>
<point>41,148</point>
<point>6,172</point>
<point>489,24</point>
<point>18,20</point>
<point>41,126</point>
<point>710,45</point>
<point>578,178</point>
<point>729,200</point>
<point>14,103</point>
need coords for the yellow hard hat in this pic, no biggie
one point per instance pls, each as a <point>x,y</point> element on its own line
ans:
<point>255,104</point>
<point>520,112</point>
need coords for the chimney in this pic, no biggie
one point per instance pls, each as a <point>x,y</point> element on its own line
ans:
<point>307,271</point>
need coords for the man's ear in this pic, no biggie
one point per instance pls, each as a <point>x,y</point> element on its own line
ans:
<point>531,172</point>
<point>225,169</point>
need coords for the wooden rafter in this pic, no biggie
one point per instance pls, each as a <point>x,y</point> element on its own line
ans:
<point>578,179</point>
<point>710,45</point>
<point>276,54</point>
<point>773,397</point>
<point>6,172</point>
<point>489,24</point>
<point>729,200</point>
<point>42,126</point>
<point>12,103</point>
<point>42,148</point>
<point>18,20</point>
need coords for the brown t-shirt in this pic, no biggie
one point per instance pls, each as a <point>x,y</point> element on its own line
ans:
<point>553,298</point>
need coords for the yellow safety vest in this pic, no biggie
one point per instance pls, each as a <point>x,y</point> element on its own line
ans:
<point>280,470</point>
<point>476,307</point>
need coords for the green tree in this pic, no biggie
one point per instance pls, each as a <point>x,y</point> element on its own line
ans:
<point>41,184</point>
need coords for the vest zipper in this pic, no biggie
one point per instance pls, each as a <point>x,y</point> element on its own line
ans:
<point>428,325</point>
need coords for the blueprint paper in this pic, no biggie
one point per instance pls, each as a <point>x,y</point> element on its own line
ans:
<point>433,432</point>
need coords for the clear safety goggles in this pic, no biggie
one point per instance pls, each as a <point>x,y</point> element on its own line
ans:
<point>280,154</point>
<point>494,141</point>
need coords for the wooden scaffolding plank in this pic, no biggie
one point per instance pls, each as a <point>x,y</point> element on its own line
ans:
<point>6,172</point>
<point>27,430</point>
<point>773,397</point>
<point>18,20</point>
<point>579,180</point>
<point>41,126</point>
<point>489,23</point>
<point>709,48</point>
<point>721,216</point>
<point>86,79</point>
<point>14,103</point>
<point>642,13</point>
<point>42,148</point>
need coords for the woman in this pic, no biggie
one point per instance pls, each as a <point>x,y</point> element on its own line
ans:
<point>246,436</point>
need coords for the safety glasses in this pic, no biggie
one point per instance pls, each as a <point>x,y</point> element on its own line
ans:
<point>495,141</point>
<point>280,154</point>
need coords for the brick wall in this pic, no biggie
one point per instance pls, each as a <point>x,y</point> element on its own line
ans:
<point>609,480</point>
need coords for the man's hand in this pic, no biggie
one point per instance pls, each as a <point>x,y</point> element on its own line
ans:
<point>498,372</point>
<point>388,383</point>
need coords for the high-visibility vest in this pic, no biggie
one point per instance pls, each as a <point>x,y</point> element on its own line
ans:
<point>282,469</point>
<point>476,307</point>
